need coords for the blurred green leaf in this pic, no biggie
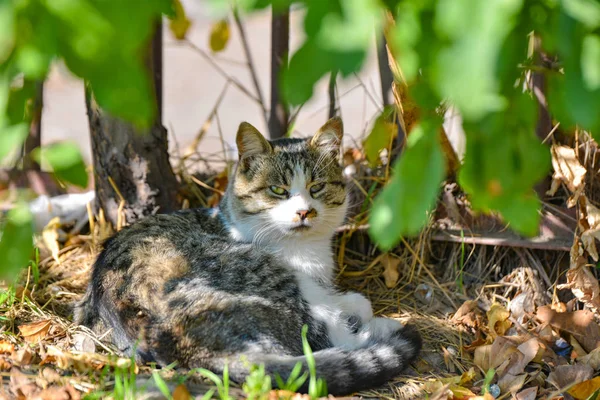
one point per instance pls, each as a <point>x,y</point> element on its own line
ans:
<point>11,138</point>
<point>401,208</point>
<point>590,62</point>
<point>65,160</point>
<point>384,130</point>
<point>16,243</point>
<point>585,11</point>
<point>7,29</point>
<point>464,72</point>
<point>505,159</point>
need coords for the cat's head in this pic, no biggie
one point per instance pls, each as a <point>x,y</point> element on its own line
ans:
<point>287,188</point>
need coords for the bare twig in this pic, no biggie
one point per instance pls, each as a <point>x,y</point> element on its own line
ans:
<point>250,62</point>
<point>224,74</point>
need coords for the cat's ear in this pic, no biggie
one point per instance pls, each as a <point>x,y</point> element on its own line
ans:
<point>329,137</point>
<point>250,142</point>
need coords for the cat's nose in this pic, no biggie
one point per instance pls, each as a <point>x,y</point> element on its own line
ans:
<point>303,214</point>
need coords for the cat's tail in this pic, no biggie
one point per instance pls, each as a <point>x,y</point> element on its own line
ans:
<point>344,371</point>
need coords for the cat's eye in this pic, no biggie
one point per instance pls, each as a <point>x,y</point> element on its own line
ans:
<point>279,191</point>
<point>314,189</point>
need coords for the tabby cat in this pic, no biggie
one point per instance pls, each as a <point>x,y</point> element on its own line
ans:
<point>235,285</point>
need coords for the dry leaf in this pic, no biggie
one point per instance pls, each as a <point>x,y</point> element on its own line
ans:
<point>468,315</point>
<point>566,375</point>
<point>6,347</point>
<point>580,324</point>
<point>390,270</point>
<point>498,322</point>
<point>180,24</point>
<point>495,354</point>
<point>530,350</point>
<point>522,305</point>
<point>23,356</point>
<point>4,365</point>
<point>589,225</point>
<point>50,237</point>
<point>219,35</point>
<point>66,392</point>
<point>83,343</point>
<point>510,383</point>
<point>181,393</point>
<point>567,170</point>
<point>527,394</point>
<point>585,389</point>
<point>20,384</point>
<point>35,331</point>
<point>577,351</point>
<point>584,286</point>
<point>592,359</point>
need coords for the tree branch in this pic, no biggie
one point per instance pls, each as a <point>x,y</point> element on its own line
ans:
<point>250,63</point>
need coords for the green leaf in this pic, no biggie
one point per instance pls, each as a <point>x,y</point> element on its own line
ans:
<point>7,29</point>
<point>161,385</point>
<point>590,62</point>
<point>401,208</point>
<point>16,243</point>
<point>504,160</point>
<point>464,70</point>
<point>523,213</point>
<point>585,11</point>
<point>11,138</point>
<point>66,162</point>
<point>381,135</point>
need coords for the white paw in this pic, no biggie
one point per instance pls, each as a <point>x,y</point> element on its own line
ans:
<point>356,304</point>
<point>379,328</point>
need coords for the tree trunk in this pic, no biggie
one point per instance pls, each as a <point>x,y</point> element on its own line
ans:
<point>132,173</point>
<point>34,139</point>
<point>280,43</point>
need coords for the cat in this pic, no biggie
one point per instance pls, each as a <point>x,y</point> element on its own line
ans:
<point>235,285</point>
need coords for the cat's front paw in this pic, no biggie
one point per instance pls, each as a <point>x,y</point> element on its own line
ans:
<point>379,329</point>
<point>355,304</point>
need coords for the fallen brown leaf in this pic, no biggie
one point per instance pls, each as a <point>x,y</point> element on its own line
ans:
<point>592,359</point>
<point>580,324</point>
<point>498,322</point>
<point>390,270</point>
<point>510,383</point>
<point>495,354</point>
<point>469,315</point>
<point>6,347</point>
<point>567,170</point>
<point>66,392</point>
<point>50,237</point>
<point>22,357</point>
<point>566,375</point>
<point>181,393</point>
<point>584,286</point>
<point>35,331</point>
<point>527,394</point>
<point>21,385</point>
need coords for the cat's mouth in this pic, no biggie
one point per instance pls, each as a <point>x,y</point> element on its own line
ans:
<point>300,228</point>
